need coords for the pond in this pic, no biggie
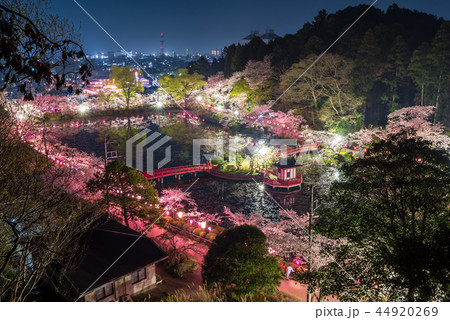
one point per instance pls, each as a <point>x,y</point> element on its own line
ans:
<point>212,194</point>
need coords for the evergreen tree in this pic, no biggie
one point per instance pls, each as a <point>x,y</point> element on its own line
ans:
<point>395,72</point>
<point>228,53</point>
<point>239,260</point>
<point>392,206</point>
<point>441,57</point>
<point>366,64</point>
<point>238,62</point>
<point>421,69</point>
<point>201,66</point>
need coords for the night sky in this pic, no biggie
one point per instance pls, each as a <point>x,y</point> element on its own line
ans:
<point>202,25</point>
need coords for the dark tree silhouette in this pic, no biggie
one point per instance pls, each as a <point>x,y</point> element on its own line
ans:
<point>29,56</point>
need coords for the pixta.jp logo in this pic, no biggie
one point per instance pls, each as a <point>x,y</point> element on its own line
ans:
<point>147,143</point>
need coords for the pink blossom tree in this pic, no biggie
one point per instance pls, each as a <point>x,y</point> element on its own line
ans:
<point>256,72</point>
<point>416,119</point>
<point>176,199</point>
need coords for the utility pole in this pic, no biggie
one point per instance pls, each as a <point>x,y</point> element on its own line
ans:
<point>311,211</point>
<point>106,172</point>
<point>108,155</point>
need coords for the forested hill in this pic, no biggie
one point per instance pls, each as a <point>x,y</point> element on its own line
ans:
<point>414,27</point>
<point>398,57</point>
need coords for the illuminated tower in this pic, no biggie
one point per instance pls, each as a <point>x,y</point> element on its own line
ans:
<point>162,44</point>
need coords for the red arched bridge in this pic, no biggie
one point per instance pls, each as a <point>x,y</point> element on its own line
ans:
<point>302,148</point>
<point>178,171</point>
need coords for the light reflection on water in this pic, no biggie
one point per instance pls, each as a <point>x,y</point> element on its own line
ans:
<point>212,194</point>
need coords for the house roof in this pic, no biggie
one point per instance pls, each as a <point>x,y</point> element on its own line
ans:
<point>103,245</point>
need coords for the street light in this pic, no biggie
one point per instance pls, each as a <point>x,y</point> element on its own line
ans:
<point>262,151</point>
<point>83,108</point>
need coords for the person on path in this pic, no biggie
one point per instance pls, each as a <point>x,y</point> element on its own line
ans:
<point>289,269</point>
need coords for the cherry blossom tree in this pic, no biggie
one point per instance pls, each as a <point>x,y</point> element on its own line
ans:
<point>414,119</point>
<point>176,199</point>
<point>256,72</point>
<point>417,118</point>
<point>218,89</point>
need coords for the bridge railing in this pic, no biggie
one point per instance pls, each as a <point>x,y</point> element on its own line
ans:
<point>285,183</point>
<point>302,148</point>
<point>166,172</point>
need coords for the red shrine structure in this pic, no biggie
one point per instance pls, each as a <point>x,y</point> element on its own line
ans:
<point>283,177</point>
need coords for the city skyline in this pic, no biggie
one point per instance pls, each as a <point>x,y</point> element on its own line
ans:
<point>202,26</point>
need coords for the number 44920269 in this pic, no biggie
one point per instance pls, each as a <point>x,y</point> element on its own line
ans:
<point>408,311</point>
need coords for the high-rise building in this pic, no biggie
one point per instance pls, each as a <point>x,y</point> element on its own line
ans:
<point>162,44</point>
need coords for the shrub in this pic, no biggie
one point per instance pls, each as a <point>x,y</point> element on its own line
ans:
<point>177,223</point>
<point>215,230</point>
<point>186,226</point>
<point>168,218</point>
<point>211,236</point>
<point>230,168</point>
<point>186,266</point>
<point>197,231</point>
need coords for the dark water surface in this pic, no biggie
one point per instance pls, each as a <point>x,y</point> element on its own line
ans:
<point>212,194</point>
